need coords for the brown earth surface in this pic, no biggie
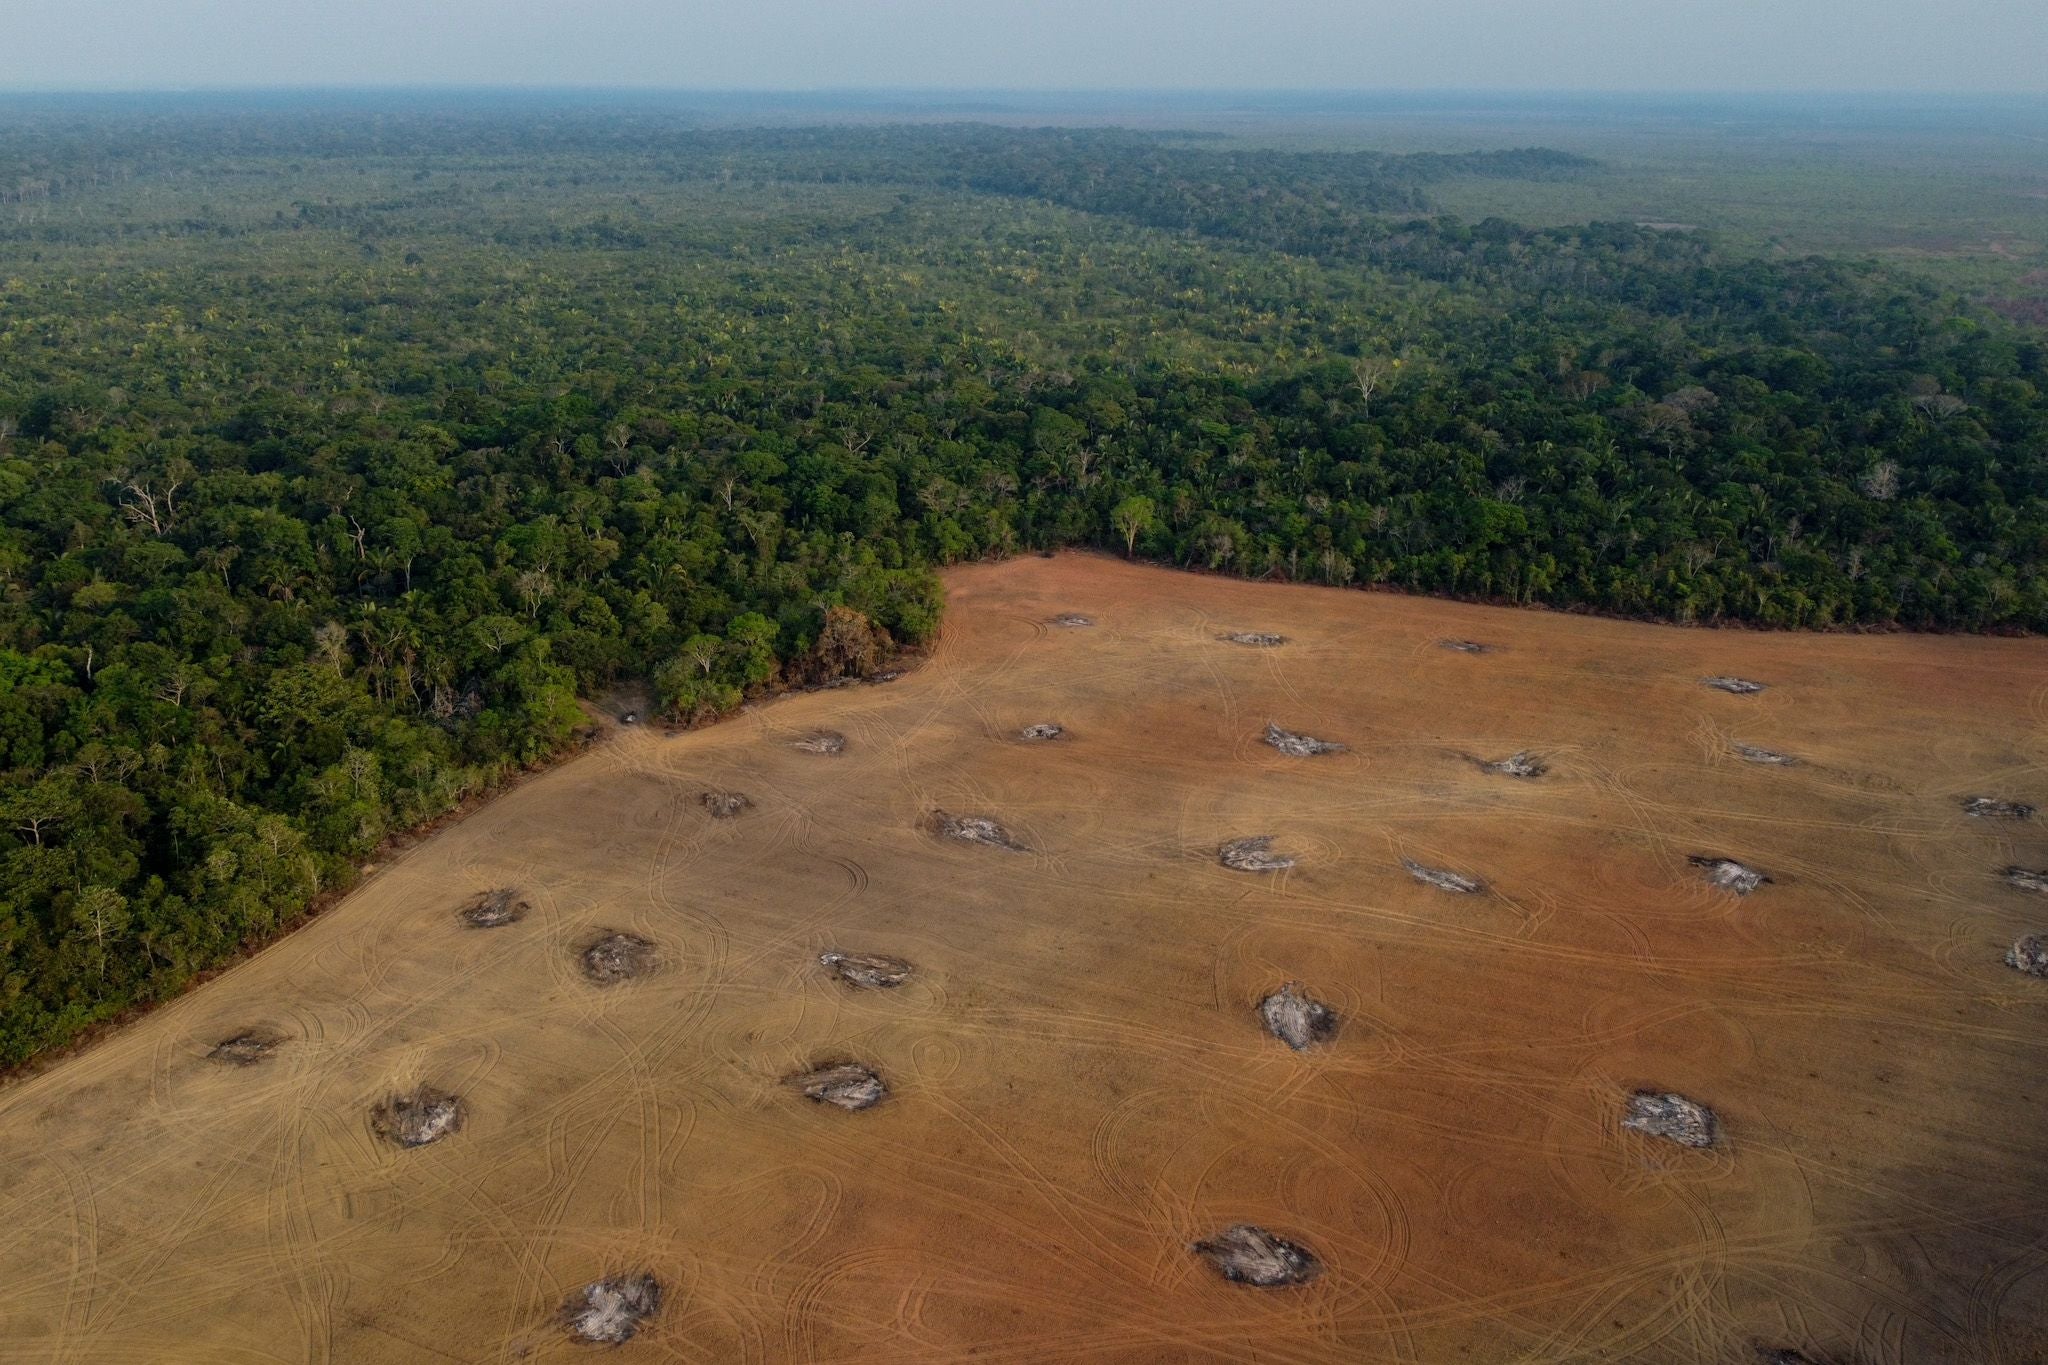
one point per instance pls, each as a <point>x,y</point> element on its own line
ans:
<point>1079,1085</point>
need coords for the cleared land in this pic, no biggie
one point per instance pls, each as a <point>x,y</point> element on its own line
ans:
<point>1078,1085</point>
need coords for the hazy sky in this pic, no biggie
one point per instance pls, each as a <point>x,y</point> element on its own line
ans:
<point>1938,45</point>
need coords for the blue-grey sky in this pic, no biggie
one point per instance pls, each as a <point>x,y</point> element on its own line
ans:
<point>1962,46</point>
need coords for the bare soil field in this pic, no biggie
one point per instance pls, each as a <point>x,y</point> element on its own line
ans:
<point>1593,1107</point>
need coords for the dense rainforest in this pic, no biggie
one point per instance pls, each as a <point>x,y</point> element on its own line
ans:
<point>340,452</point>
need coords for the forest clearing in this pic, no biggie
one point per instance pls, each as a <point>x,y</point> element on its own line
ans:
<point>1427,982</point>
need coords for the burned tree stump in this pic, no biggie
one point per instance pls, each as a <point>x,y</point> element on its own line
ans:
<point>1443,879</point>
<point>2028,879</point>
<point>1245,1253</point>
<point>1297,1019</point>
<point>416,1119</point>
<point>1299,746</point>
<point>494,909</point>
<point>1729,875</point>
<point>244,1049</point>
<point>867,971</point>
<point>618,957</point>
<point>609,1311</point>
<point>1253,853</point>
<point>2029,954</point>
<point>725,805</point>
<point>1673,1118</point>
<point>1991,808</point>
<point>973,829</point>
<point>843,1085</point>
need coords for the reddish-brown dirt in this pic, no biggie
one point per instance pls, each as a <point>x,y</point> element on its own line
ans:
<point>1080,1087</point>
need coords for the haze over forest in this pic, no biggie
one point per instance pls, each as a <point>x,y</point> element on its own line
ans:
<point>1974,46</point>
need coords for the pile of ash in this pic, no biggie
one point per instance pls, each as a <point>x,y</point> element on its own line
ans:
<point>492,909</point>
<point>1443,879</point>
<point>618,957</point>
<point>426,1115</point>
<point>1247,1254</point>
<point>973,829</point>
<point>1253,853</point>
<point>1296,1019</point>
<point>244,1049</point>
<point>2029,955</point>
<point>1521,763</point>
<point>1728,874</point>
<point>1991,808</point>
<point>609,1311</point>
<point>843,1085</point>
<point>866,970</point>
<point>1672,1117</point>
<point>1299,746</point>
<point>725,805</point>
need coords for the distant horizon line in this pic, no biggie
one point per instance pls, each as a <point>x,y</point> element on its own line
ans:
<point>1034,92</point>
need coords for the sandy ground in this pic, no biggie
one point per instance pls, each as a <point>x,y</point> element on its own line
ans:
<point>1079,1083</point>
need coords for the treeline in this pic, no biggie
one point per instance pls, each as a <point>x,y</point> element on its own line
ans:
<point>313,526</point>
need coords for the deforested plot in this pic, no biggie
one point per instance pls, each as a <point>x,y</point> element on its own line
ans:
<point>1741,687</point>
<point>494,909</point>
<point>609,1312</point>
<point>1991,808</point>
<point>1253,853</point>
<point>1296,1018</point>
<point>844,1086</point>
<point>1299,745</point>
<point>1443,879</point>
<point>1727,874</point>
<point>617,957</point>
<point>1245,1253</point>
<point>416,1117</point>
<point>1672,1117</point>
<point>867,971</point>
